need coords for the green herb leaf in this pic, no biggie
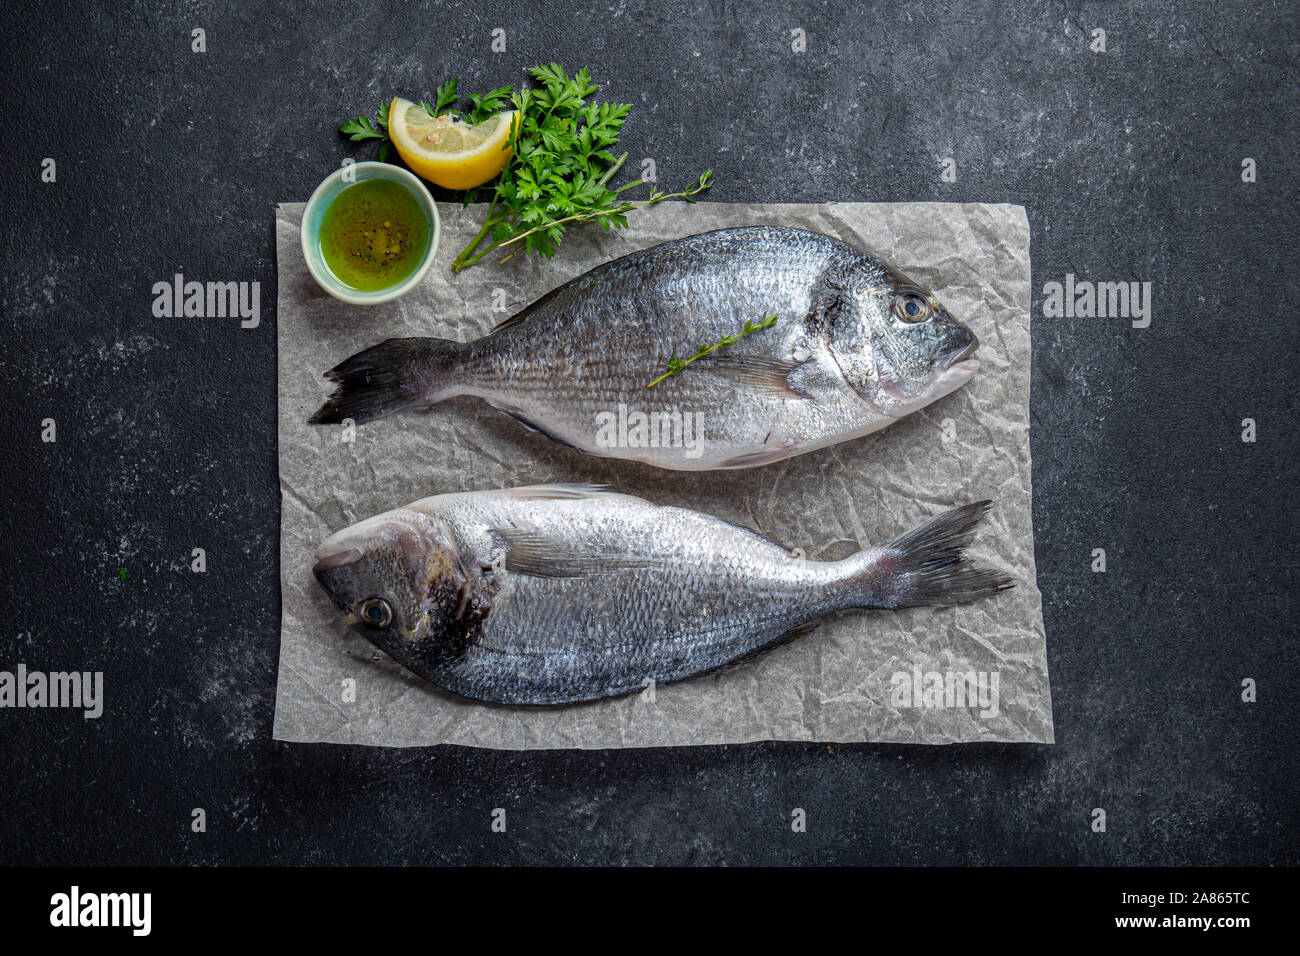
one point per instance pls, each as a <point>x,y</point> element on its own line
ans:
<point>361,128</point>
<point>482,107</point>
<point>446,97</point>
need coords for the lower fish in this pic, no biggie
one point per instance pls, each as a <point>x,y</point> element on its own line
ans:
<point>856,346</point>
<point>555,594</point>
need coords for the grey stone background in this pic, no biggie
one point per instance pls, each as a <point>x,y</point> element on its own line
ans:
<point>1129,164</point>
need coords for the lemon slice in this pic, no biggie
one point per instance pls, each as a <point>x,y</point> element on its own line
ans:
<point>447,151</point>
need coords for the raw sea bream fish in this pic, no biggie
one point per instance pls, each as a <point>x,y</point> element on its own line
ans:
<point>555,594</point>
<point>855,347</point>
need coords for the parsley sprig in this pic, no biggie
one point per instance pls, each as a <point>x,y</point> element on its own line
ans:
<point>675,364</point>
<point>559,173</point>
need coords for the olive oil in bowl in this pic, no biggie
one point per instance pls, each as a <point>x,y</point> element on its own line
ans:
<point>374,235</point>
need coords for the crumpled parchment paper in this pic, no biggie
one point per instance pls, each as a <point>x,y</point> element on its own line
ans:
<point>861,676</point>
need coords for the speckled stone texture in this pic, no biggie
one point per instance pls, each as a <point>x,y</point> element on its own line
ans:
<point>1129,162</point>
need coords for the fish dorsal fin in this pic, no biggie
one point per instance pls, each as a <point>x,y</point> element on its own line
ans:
<point>775,376</point>
<point>508,323</point>
<point>536,553</point>
<point>736,526</point>
<point>558,490</point>
<point>522,314</point>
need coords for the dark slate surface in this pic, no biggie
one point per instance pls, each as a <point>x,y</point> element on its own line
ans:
<point>1129,164</point>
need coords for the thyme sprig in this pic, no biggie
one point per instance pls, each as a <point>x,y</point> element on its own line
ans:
<point>675,364</point>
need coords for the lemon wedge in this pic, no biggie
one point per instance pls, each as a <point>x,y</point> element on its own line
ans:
<point>447,151</point>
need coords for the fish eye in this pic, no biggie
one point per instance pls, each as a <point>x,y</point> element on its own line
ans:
<point>911,307</point>
<point>376,613</point>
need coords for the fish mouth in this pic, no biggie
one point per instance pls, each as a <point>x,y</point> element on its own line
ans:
<point>959,368</point>
<point>956,375</point>
<point>334,560</point>
<point>963,357</point>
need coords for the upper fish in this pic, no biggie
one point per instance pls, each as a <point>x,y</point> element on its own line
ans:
<point>856,346</point>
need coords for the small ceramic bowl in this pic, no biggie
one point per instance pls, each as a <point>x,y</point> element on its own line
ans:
<point>320,201</point>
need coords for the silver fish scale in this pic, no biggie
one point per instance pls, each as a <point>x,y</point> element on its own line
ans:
<point>593,345</point>
<point>709,593</point>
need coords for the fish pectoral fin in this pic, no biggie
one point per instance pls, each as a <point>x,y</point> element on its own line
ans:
<point>543,556</point>
<point>775,376</point>
<point>557,490</point>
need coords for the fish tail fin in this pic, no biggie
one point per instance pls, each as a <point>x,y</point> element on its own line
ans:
<point>926,566</point>
<point>390,376</point>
